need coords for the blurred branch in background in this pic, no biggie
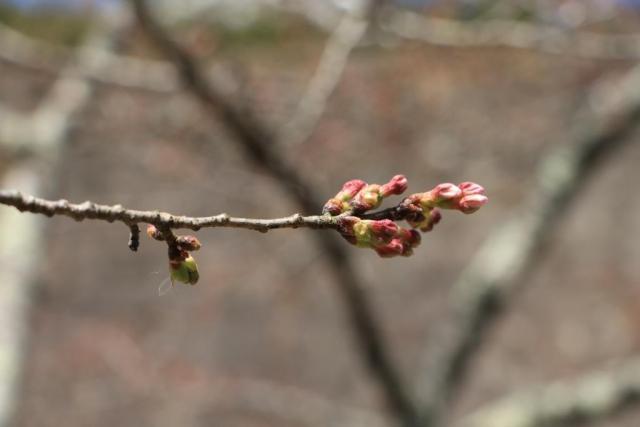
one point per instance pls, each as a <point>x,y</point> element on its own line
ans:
<point>326,78</point>
<point>587,399</point>
<point>120,70</point>
<point>612,113</point>
<point>44,133</point>
<point>259,143</point>
<point>514,34</point>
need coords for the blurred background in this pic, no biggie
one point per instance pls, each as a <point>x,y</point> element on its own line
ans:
<point>537,294</point>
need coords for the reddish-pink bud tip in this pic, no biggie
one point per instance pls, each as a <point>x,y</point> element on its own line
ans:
<point>469,188</point>
<point>384,229</point>
<point>472,203</point>
<point>397,185</point>
<point>391,249</point>
<point>351,188</point>
<point>445,192</point>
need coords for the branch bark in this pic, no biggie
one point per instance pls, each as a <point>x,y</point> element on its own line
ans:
<point>260,145</point>
<point>90,210</point>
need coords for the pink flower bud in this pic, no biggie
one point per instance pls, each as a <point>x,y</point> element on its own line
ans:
<point>409,237</point>
<point>333,207</point>
<point>384,229</point>
<point>350,189</point>
<point>445,192</point>
<point>338,204</point>
<point>469,188</point>
<point>472,203</point>
<point>397,185</point>
<point>391,249</point>
<point>368,198</point>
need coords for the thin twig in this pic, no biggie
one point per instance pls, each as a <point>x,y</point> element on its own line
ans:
<point>591,397</point>
<point>510,251</point>
<point>513,34</point>
<point>260,145</point>
<point>90,210</point>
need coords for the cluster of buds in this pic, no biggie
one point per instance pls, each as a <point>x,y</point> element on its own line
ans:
<point>357,196</point>
<point>384,236</point>
<point>182,266</point>
<point>421,211</point>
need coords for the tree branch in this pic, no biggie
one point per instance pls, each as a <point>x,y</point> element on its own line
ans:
<point>116,213</point>
<point>591,397</point>
<point>260,145</point>
<point>482,289</point>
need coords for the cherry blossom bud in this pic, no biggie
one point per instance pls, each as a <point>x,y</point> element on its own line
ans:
<point>184,271</point>
<point>446,195</point>
<point>391,249</point>
<point>397,185</point>
<point>469,188</point>
<point>333,207</point>
<point>188,243</point>
<point>350,189</point>
<point>470,204</point>
<point>367,198</point>
<point>339,203</point>
<point>383,229</point>
<point>154,233</point>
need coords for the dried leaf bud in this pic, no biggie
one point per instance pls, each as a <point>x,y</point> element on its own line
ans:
<point>469,188</point>
<point>470,204</point>
<point>185,271</point>
<point>397,185</point>
<point>154,233</point>
<point>368,198</point>
<point>188,243</point>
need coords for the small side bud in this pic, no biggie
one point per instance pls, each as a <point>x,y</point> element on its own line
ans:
<point>184,271</point>
<point>154,233</point>
<point>431,220</point>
